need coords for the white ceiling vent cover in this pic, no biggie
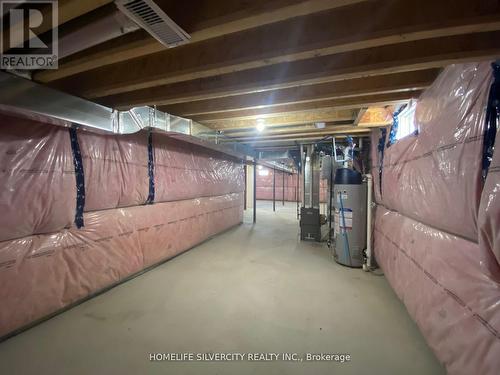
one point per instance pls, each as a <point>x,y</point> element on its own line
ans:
<point>151,18</point>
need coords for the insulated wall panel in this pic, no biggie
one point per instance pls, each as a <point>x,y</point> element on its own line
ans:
<point>184,171</point>
<point>38,193</point>
<point>489,212</point>
<point>43,273</point>
<point>435,176</point>
<point>176,226</point>
<point>265,186</point>
<point>266,193</point>
<point>115,169</point>
<point>447,285</point>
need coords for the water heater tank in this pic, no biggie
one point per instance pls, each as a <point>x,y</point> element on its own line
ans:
<point>349,205</point>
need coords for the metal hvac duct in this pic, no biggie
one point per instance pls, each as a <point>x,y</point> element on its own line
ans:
<point>26,98</point>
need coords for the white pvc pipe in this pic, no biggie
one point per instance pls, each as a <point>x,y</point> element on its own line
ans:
<point>368,264</point>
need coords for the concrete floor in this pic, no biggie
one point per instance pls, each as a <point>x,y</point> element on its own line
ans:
<point>251,289</point>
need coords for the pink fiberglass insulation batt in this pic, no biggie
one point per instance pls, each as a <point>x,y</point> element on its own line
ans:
<point>265,186</point>
<point>41,274</point>
<point>115,169</point>
<point>185,171</point>
<point>38,193</point>
<point>489,211</point>
<point>448,288</point>
<point>266,193</point>
<point>435,176</point>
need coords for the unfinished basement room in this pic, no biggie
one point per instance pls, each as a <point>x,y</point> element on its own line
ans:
<point>249,187</point>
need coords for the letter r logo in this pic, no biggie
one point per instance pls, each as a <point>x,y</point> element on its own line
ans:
<point>17,30</point>
<point>29,34</point>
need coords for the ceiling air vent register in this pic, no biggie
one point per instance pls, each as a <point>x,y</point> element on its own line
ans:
<point>151,18</point>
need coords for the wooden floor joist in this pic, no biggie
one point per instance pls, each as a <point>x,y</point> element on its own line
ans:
<point>319,135</point>
<point>208,20</point>
<point>282,130</point>
<point>296,118</point>
<point>359,26</point>
<point>423,54</point>
<point>392,98</point>
<point>398,82</point>
<point>292,131</point>
<point>284,64</point>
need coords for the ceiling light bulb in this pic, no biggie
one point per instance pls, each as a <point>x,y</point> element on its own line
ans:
<point>260,124</point>
<point>259,166</point>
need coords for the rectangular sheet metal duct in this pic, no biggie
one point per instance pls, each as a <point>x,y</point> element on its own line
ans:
<point>29,99</point>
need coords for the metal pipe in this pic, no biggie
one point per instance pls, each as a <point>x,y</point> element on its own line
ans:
<point>368,265</point>
<point>347,252</point>
<point>303,172</point>
<point>311,167</point>
<point>334,150</point>
<point>254,191</point>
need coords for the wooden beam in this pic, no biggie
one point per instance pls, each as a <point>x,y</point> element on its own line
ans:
<point>392,98</point>
<point>354,87</point>
<point>281,129</point>
<point>287,132</point>
<point>376,117</point>
<point>359,116</point>
<point>352,130</point>
<point>317,133</point>
<point>297,118</point>
<point>417,55</point>
<point>226,20</point>
<point>324,33</point>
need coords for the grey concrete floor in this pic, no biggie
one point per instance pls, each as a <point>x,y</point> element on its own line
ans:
<point>253,289</point>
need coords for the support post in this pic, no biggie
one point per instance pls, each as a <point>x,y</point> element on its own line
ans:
<point>330,192</point>
<point>254,191</point>
<point>245,194</point>
<point>297,191</point>
<point>283,173</point>
<point>274,190</point>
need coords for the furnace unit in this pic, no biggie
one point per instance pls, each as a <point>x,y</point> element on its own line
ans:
<point>310,218</point>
